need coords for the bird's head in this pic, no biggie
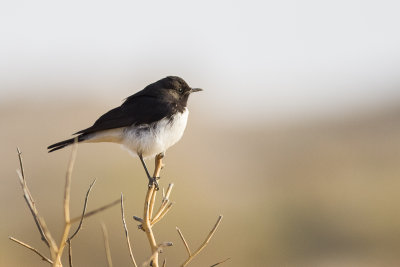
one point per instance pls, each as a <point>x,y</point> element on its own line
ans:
<point>177,89</point>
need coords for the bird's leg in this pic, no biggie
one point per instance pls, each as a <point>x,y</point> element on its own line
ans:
<point>158,165</point>
<point>152,180</point>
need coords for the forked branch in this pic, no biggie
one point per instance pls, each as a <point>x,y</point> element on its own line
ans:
<point>55,251</point>
<point>47,239</point>
<point>67,192</point>
<point>202,246</point>
<point>149,220</point>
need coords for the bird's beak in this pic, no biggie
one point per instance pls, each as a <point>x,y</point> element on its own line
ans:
<point>195,90</point>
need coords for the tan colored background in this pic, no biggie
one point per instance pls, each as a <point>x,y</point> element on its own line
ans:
<point>321,193</point>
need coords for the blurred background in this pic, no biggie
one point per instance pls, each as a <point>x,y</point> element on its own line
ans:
<point>295,139</point>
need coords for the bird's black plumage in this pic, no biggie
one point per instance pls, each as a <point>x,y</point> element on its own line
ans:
<point>141,110</point>
<point>156,101</point>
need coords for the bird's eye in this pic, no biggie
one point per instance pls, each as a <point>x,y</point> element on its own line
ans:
<point>180,90</point>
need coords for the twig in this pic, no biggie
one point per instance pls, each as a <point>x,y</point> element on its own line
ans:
<point>158,165</point>
<point>84,210</point>
<point>148,222</point>
<point>203,245</point>
<point>106,245</point>
<point>169,190</point>
<point>93,212</point>
<point>80,223</point>
<point>67,188</point>
<point>138,219</point>
<point>164,264</point>
<point>126,231</point>
<point>163,213</point>
<point>20,162</point>
<point>69,252</point>
<point>53,245</point>
<point>67,192</point>
<point>146,226</point>
<point>29,200</point>
<point>218,263</point>
<point>165,201</point>
<point>184,242</point>
<point>56,251</point>
<point>30,248</point>
<point>151,204</point>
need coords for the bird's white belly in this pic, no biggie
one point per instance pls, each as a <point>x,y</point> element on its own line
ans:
<point>150,140</point>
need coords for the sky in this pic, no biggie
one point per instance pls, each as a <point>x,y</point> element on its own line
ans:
<point>258,58</point>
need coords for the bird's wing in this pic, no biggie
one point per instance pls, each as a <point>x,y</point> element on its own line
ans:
<point>138,110</point>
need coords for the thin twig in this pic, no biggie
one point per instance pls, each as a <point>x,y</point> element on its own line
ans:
<point>80,224</point>
<point>21,167</point>
<point>158,165</point>
<point>106,245</point>
<point>146,226</point>
<point>126,231</point>
<point>169,190</point>
<point>67,193</point>
<point>67,188</point>
<point>218,263</point>
<point>90,213</point>
<point>164,202</point>
<point>163,213</point>
<point>30,248</point>
<point>29,200</point>
<point>184,242</point>
<point>46,232</point>
<point>138,219</point>
<point>151,204</point>
<point>164,264</point>
<point>204,244</point>
<point>69,252</point>
<point>84,210</point>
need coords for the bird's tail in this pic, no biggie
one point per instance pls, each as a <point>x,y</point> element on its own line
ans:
<point>65,143</point>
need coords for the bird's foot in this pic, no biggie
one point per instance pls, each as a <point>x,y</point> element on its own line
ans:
<point>153,181</point>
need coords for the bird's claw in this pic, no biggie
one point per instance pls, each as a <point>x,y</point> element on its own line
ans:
<point>153,181</point>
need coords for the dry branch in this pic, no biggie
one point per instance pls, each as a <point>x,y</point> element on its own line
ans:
<point>165,205</point>
<point>149,221</point>
<point>80,224</point>
<point>150,218</point>
<point>30,248</point>
<point>184,242</point>
<point>202,246</point>
<point>56,251</point>
<point>83,211</point>
<point>146,226</point>
<point>67,193</point>
<point>126,231</point>
<point>69,253</point>
<point>30,202</point>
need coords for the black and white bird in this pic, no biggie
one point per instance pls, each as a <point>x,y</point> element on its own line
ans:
<point>147,123</point>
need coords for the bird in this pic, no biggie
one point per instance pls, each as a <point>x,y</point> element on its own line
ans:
<point>147,123</point>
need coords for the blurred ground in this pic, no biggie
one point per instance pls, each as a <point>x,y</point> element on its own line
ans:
<point>311,193</point>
